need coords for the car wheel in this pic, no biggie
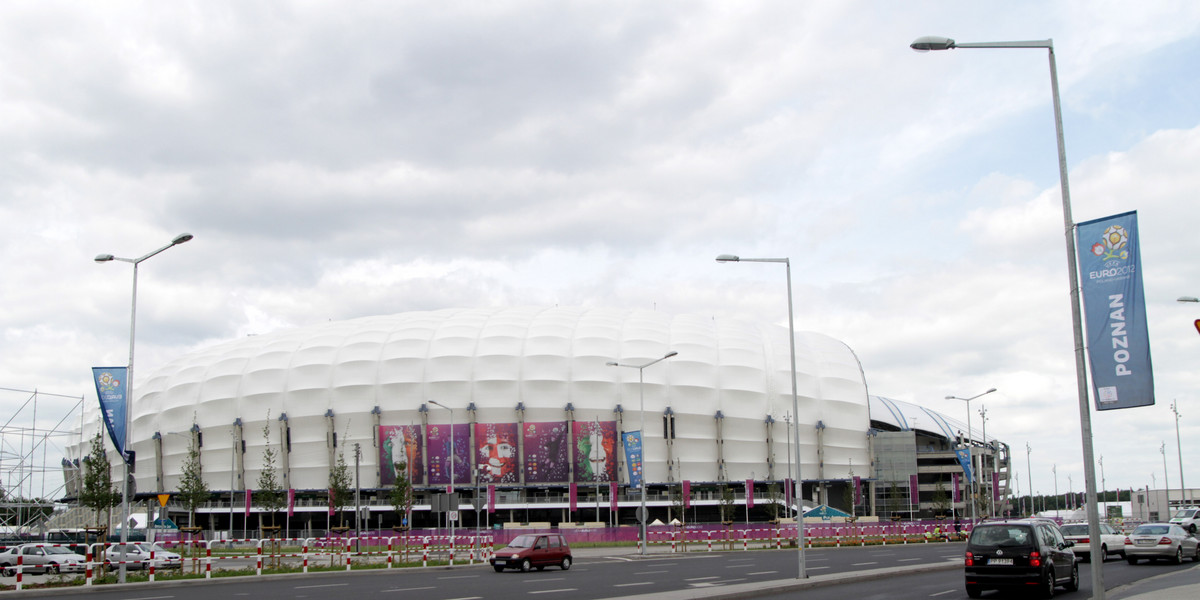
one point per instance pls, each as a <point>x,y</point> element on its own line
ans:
<point>1131,560</point>
<point>974,591</point>
<point>1178,560</point>
<point>53,569</point>
<point>526,565</point>
<point>8,571</point>
<point>1196,556</point>
<point>1073,585</point>
<point>1103,552</point>
<point>1048,584</point>
<point>566,563</point>
<point>498,568</point>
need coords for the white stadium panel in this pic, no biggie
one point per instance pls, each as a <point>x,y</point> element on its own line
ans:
<point>496,358</point>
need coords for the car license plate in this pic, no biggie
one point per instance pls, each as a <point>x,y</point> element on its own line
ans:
<point>1000,561</point>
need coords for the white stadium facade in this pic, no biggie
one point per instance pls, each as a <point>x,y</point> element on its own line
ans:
<point>535,406</point>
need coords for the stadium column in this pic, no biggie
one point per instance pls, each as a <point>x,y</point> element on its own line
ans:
<point>619,413</point>
<point>720,439</point>
<point>239,453</point>
<point>521,445</point>
<point>376,416</point>
<point>822,485</point>
<point>570,414</point>
<point>330,439</point>
<point>424,410</point>
<point>669,438</point>
<point>770,425</point>
<point>472,444</point>
<point>158,462</point>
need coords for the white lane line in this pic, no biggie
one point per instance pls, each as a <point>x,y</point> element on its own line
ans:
<point>554,591</point>
<point>943,593</point>
<point>460,577</point>
<point>325,585</point>
<point>633,584</point>
<point>763,573</point>
<point>863,564</point>
<point>650,572</point>
<point>412,589</point>
<point>541,580</point>
<point>702,578</point>
<point>907,559</point>
<point>815,568</point>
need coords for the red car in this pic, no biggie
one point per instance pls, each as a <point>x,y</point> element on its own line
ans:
<point>533,550</point>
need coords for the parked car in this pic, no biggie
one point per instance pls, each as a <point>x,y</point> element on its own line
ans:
<point>1161,540</point>
<point>1018,554</point>
<point>533,551</point>
<point>1111,540</point>
<point>1187,518</point>
<point>38,558</point>
<point>137,557</point>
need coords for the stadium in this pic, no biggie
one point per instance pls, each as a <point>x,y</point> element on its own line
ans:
<point>527,400</point>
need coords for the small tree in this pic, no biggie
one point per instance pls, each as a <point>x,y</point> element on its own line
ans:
<point>401,496</point>
<point>941,499</point>
<point>97,492</point>
<point>270,492</point>
<point>340,487</point>
<point>774,501</point>
<point>192,489</point>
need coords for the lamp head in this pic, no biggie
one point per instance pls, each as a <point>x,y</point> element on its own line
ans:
<point>181,238</point>
<point>728,258</point>
<point>611,364</point>
<point>932,42</point>
<point>670,354</point>
<point>103,257</point>
<point>990,391</point>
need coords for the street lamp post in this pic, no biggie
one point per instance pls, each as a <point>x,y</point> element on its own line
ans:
<point>1179,448</point>
<point>1032,507</point>
<point>971,485</point>
<point>101,258</point>
<point>454,505</point>
<point>787,263</point>
<point>1081,384</point>
<point>1166,479</point>
<point>642,409</point>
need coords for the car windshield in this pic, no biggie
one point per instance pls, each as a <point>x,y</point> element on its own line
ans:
<point>1186,513</point>
<point>523,541</point>
<point>1001,536</point>
<point>1075,529</point>
<point>56,550</point>
<point>1152,530</point>
<point>144,547</point>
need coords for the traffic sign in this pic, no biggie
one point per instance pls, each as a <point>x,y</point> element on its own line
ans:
<point>1197,324</point>
<point>641,514</point>
<point>162,499</point>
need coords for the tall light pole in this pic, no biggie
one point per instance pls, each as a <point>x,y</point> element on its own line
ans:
<point>1081,384</point>
<point>803,572</point>
<point>1166,479</point>
<point>642,409</point>
<point>992,494</point>
<point>454,505</point>
<point>102,258</point>
<point>1032,507</point>
<point>971,485</point>
<point>1179,448</point>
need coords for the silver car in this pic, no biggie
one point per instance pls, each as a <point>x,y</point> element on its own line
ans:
<point>137,556</point>
<point>39,558</point>
<point>1161,540</point>
<point>1111,540</point>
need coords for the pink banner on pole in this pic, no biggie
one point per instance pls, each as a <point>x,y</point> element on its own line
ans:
<point>687,493</point>
<point>857,490</point>
<point>787,492</point>
<point>612,495</point>
<point>914,494</point>
<point>957,488</point>
<point>491,498</point>
<point>247,513</point>
<point>749,493</point>
<point>995,487</point>
<point>291,503</point>
<point>331,502</point>
<point>574,497</point>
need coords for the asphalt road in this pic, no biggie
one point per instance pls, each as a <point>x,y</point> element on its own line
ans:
<point>599,574</point>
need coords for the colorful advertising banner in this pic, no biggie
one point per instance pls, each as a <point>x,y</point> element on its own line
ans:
<point>1117,339</point>
<point>491,498</point>
<point>749,493</point>
<point>401,444</point>
<point>438,443</point>
<point>248,493</point>
<point>914,492</point>
<point>964,460</point>
<point>111,387</point>
<point>957,488</point>
<point>687,493</point>
<point>633,457</point>
<point>496,454</point>
<point>546,452</point>
<point>595,451</point>
<point>995,487</point>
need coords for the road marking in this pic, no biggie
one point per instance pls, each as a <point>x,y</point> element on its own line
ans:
<point>458,577</point>
<point>943,593</point>
<point>554,591</point>
<point>815,568</point>
<point>632,584</point>
<point>702,578</point>
<point>863,564</point>
<point>763,573</point>
<point>907,559</point>
<point>324,585</point>
<point>414,589</point>
<point>650,572</point>
<point>539,580</point>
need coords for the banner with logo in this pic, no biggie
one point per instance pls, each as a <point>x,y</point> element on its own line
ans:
<point>111,387</point>
<point>914,494</point>
<point>964,460</point>
<point>633,457</point>
<point>1117,339</point>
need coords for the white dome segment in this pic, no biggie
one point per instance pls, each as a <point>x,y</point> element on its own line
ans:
<point>543,359</point>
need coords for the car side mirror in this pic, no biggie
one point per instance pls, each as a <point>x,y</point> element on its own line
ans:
<point>1068,544</point>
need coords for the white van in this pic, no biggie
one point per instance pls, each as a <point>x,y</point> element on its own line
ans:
<point>1188,518</point>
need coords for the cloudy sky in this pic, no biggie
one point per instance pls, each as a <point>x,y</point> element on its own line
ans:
<point>338,160</point>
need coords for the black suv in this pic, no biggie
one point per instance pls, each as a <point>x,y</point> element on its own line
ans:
<point>1026,554</point>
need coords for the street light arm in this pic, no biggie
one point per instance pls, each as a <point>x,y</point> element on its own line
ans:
<point>736,258</point>
<point>934,42</point>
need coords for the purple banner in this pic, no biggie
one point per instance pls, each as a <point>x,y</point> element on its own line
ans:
<point>400,443</point>
<point>957,488</point>
<point>914,494</point>
<point>857,490</point>
<point>438,442</point>
<point>546,452</point>
<point>687,493</point>
<point>595,451</point>
<point>749,493</point>
<point>995,487</point>
<point>496,454</point>
<point>574,500</point>
<point>491,498</point>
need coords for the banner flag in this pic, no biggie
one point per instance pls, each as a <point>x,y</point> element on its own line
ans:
<point>749,493</point>
<point>574,497</point>
<point>914,494</point>
<point>687,493</point>
<point>247,513</point>
<point>995,487</point>
<point>612,496</point>
<point>331,502</point>
<point>291,502</point>
<point>111,387</point>
<point>957,488</point>
<point>964,460</point>
<point>491,497</point>
<point>857,490</point>
<point>787,493</point>
<point>633,457</point>
<point>1114,303</point>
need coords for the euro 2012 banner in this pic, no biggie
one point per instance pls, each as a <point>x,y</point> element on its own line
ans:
<point>1117,339</point>
<point>494,452</point>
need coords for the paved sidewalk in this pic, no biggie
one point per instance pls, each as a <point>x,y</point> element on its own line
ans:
<point>1180,584</point>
